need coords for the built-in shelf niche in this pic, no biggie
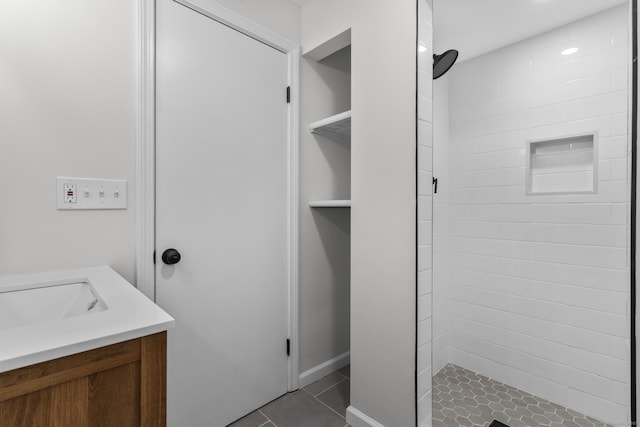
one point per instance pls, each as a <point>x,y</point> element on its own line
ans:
<point>338,126</point>
<point>565,165</point>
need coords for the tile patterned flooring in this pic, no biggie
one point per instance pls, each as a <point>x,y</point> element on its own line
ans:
<point>320,404</point>
<point>464,398</point>
<point>460,398</point>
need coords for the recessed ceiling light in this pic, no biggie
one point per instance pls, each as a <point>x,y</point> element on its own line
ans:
<point>569,51</point>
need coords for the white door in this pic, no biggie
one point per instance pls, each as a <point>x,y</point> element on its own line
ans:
<point>221,201</point>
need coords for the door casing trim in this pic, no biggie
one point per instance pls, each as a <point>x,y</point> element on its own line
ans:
<point>145,151</point>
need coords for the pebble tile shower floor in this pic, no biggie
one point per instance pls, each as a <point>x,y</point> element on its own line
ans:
<point>464,398</point>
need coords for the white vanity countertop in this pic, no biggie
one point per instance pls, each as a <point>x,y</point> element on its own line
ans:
<point>129,315</point>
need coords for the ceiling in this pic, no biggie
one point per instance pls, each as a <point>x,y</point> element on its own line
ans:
<point>475,27</point>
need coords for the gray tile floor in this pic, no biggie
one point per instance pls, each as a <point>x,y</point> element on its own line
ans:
<point>464,398</point>
<point>320,404</point>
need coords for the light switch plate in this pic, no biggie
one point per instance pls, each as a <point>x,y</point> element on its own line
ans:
<point>90,193</point>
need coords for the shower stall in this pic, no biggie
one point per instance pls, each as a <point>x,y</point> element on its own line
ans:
<point>524,173</point>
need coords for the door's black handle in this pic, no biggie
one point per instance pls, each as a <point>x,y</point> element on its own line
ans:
<point>171,256</point>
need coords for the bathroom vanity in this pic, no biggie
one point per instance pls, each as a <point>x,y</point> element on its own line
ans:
<point>81,348</point>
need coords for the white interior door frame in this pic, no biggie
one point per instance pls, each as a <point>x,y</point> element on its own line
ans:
<point>145,149</point>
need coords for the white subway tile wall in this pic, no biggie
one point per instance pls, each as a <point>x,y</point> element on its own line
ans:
<point>533,290</point>
<point>425,210</point>
<point>441,223</point>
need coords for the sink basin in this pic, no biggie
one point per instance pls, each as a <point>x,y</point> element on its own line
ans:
<point>45,316</point>
<point>48,302</point>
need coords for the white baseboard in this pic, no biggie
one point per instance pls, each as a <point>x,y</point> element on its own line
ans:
<point>356,418</point>
<point>324,369</point>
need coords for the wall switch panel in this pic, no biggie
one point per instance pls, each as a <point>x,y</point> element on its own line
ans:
<point>90,193</point>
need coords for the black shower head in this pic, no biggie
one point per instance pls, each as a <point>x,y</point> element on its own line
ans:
<point>442,62</point>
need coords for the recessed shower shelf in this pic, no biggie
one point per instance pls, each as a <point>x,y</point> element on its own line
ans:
<point>337,127</point>
<point>330,204</point>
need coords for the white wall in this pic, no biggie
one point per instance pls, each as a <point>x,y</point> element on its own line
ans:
<point>539,284</point>
<point>383,192</point>
<point>66,108</point>
<point>325,173</point>
<point>383,214</point>
<point>280,16</point>
<point>67,105</point>
<point>322,20</point>
<point>425,211</point>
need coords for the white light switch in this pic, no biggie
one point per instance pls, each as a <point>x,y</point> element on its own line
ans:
<point>94,193</point>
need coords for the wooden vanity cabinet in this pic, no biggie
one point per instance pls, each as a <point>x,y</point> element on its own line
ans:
<point>120,385</point>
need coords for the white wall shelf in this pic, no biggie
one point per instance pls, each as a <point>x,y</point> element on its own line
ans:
<point>330,204</point>
<point>337,127</point>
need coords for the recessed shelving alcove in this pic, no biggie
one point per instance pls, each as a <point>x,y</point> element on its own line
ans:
<point>565,165</point>
<point>325,192</point>
<point>337,127</point>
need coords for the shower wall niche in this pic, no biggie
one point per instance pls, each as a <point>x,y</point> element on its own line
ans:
<point>531,223</point>
<point>562,165</point>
